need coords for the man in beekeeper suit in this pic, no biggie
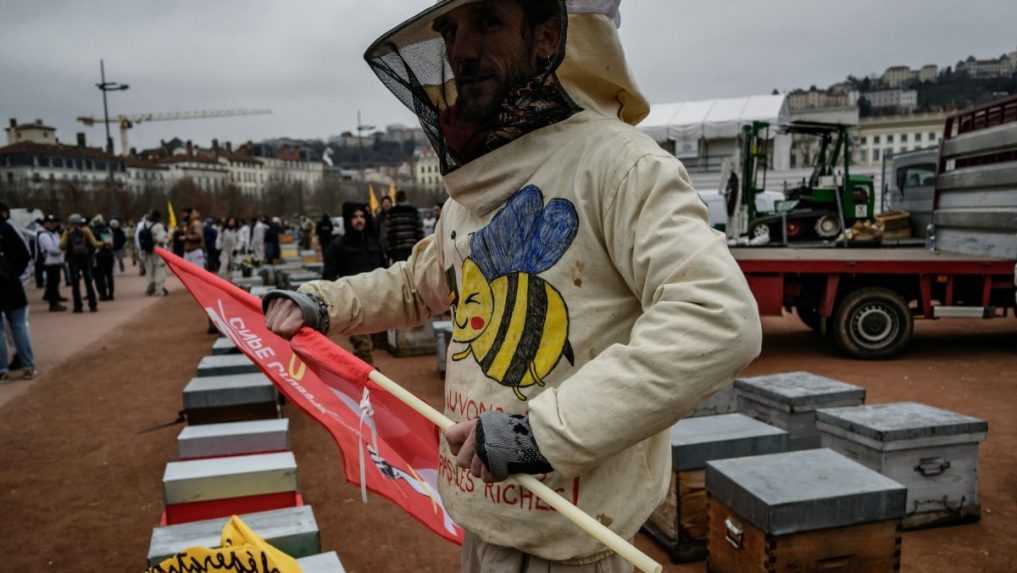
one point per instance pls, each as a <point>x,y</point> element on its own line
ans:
<point>593,305</point>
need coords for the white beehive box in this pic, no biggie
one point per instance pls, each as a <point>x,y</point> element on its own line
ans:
<point>724,401</point>
<point>933,452</point>
<point>414,341</point>
<point>789,401</point>
<point>443,338</point>
<point>233,439</point>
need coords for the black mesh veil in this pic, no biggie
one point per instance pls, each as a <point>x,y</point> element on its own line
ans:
<point>411,61</point>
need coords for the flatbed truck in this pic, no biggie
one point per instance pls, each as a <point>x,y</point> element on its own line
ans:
<point>867,298</point>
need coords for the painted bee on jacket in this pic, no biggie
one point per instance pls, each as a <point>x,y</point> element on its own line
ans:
<point>514,323</point>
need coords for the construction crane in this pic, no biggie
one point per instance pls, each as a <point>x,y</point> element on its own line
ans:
<point>126,122</point>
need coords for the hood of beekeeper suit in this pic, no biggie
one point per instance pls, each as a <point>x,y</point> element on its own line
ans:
<point>588,72</point>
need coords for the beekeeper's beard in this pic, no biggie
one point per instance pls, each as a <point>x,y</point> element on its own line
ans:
<point>481,100</point>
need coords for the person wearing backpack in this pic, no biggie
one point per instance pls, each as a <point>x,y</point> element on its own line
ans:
<point>104,258</point>
<point>151,235</point>
<point>79,245</point>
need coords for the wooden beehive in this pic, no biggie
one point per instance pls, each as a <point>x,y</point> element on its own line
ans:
<point>680,522</point>
<point>794,512</point>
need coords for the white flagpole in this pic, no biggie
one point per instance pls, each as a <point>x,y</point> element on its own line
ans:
<point>599,531</point>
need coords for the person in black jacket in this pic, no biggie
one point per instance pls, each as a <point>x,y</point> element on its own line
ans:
<point>273,249</point>
<point>324,233</point>
<point>105,260</point>
<point>210,234</point>
<point>358,251</point>
<point>119,242</point>
<point>404,229</point>
<point>14,259</point>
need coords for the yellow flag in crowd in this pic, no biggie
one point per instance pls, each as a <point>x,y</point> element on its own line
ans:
<point>372,200</point>
<point>241,551</point>
<point>391,192</point>
<point>171,217</point>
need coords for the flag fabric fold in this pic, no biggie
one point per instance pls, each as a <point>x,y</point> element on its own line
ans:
<point>332,386</point>
<point>171,216</point>
<point>372,201</point>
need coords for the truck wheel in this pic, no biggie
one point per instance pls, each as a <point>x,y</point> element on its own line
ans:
<point>809,315</point>
<point>827,227</point>
<point>872,323</point>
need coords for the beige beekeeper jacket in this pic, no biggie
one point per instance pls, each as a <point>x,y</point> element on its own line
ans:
<point>590,292</point>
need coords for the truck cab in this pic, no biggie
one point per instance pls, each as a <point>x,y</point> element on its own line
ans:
<point>912,188</point>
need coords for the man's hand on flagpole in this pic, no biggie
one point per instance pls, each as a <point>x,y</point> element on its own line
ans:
<point>462,441</point>
<point>496,445</point>
<point>284,317</point>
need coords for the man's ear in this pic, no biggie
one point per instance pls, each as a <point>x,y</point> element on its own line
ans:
<point>547,38</point>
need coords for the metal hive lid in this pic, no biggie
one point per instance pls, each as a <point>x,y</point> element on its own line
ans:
<point>799,389</point>
<point>804,491</point>
<point>901,421</point>
<point>695,441</point>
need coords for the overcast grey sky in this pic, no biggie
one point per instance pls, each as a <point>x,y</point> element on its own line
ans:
<point>303,58</point>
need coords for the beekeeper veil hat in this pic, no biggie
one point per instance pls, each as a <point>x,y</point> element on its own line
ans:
<point>587,72</point>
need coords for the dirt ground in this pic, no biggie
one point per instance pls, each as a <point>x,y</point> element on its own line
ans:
<point>83,455</point>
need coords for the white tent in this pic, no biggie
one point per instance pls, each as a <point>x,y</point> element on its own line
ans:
<point>713,119</point>
<point>686,123</point>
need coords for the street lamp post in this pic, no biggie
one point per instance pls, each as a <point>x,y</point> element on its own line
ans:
<point>104,87</point>
<point>361,128</point>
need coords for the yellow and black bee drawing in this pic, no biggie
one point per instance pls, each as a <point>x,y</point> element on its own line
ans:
<point>514,323</point>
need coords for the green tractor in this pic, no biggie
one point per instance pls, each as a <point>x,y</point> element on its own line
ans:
<point>820,208</point>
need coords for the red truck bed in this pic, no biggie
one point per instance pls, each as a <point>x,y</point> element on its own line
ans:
<point>870,296</point>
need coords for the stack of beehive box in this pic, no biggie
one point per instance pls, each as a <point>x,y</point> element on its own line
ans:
<point>234,458</point>
<point>805,477</point>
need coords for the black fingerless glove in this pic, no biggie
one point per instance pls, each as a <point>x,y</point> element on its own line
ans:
<point>506,446</point>
<point>312,307</point>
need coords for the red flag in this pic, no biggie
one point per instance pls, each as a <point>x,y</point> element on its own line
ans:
<point>387,447</point>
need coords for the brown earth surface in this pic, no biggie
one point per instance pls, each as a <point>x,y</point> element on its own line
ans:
<point>83,455</point>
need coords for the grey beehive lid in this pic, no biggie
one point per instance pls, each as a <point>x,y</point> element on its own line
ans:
<point>901,421</point>
<point>231,390</point>
<point>695,441</point>
<point>224,345</point>
<point>800,390</point>
<point>226,364</point>
<point>292,530</point>
<point>804,491</point>
<point>223,478</point>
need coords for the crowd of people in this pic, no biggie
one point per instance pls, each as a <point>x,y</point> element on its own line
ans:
<point>369,243</point>
<point>82,254</point>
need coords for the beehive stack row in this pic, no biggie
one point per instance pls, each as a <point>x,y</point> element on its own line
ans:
<point>234,458</point>
<point>806,477</point>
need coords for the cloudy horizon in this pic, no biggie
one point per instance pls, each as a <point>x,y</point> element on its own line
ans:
<point>304,60</point>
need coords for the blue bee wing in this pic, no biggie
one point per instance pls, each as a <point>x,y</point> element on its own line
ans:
<point>525,236</point>
<point>550,236</point>
<point>497,247</point>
